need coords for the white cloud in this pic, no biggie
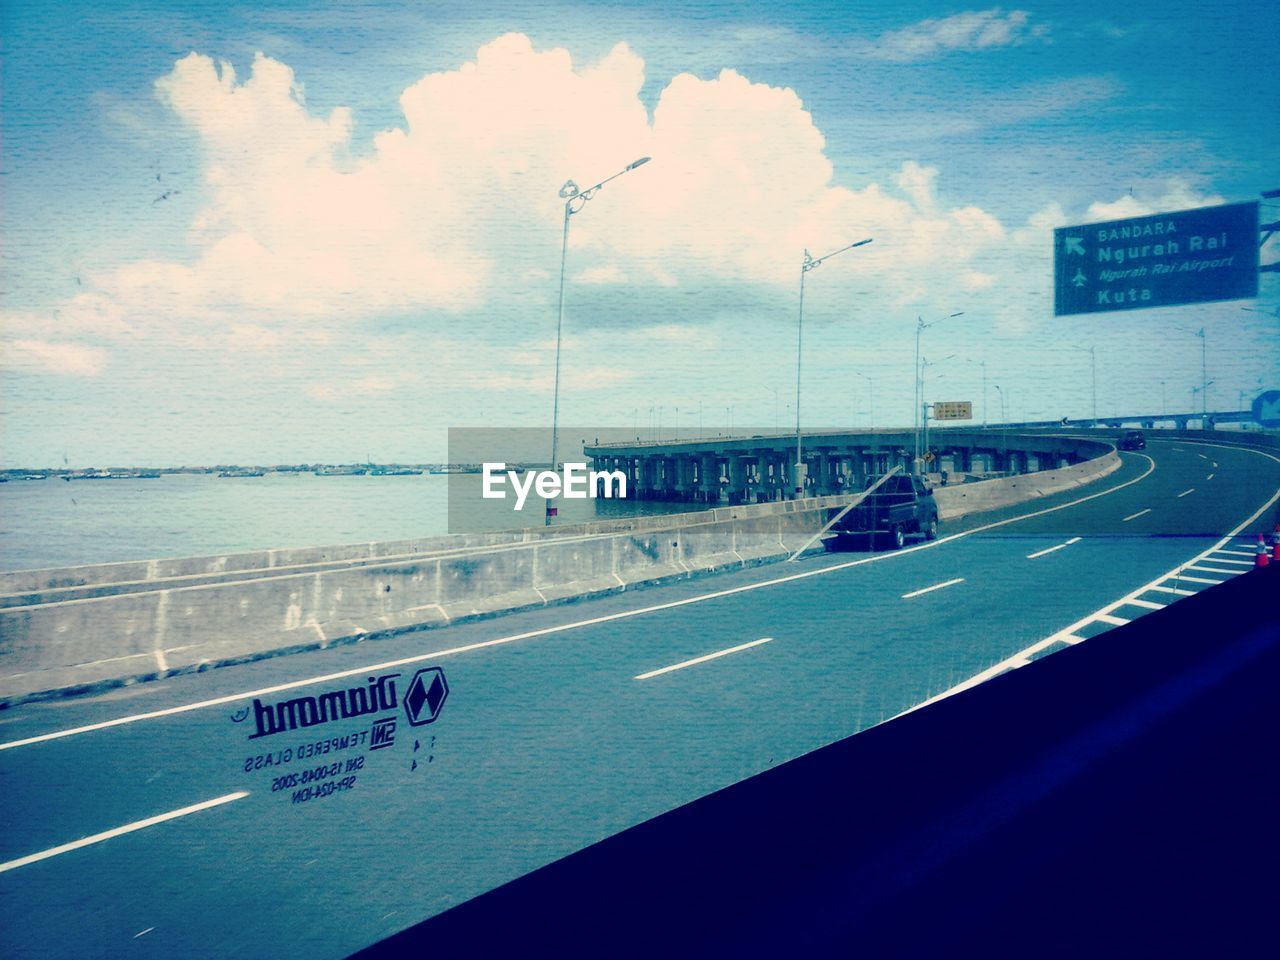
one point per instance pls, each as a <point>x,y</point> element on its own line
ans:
<point>1177,195</point>
<point>299,242</point>
<point>42,356</point>
<point>972,30</point>
<point>606,273</point>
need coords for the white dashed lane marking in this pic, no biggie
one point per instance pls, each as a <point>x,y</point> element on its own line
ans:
<point>1041,553</point>
<point>120,831</point>
<point>936,586</point>
<point>1185,492</point>
<point>703,659</point>
<point>1135,516</point>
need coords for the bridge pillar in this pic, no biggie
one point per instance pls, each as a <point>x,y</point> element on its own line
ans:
<point>644,478</point>
<point>684,484</point>
<point>709,478</point>
<point>823,481</point>
<point>737,479</point>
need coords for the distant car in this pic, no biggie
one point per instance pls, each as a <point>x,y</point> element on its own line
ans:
<point>1133,440</point>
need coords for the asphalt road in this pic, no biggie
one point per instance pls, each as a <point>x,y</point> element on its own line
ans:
<point>143,822</point>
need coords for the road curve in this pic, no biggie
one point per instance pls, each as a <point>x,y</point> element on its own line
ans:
<point>144,820</point>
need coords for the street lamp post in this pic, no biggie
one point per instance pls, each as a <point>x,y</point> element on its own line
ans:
<point>925,364</point>
<point>808,264</point>
<point>1004,430</point>
<point>574,201</point>
<point>1202,390</point>
<point>921,326</point>
<point>1093,377</point>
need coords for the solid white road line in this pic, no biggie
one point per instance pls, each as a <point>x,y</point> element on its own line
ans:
<point>1113,620</point>
<point>561,628</point>
<point>1238,553</point>
<point>1185,492</point>
<point>1242,563</point>
<point>1181,593</point>
<point>121,831</point>
<point>1068,638</point>
<point>936,586</point>
<point>703,659</point>
<point>1191,579</point>
<point>1149,604</point>
<point>1204,569</point>
<point>1135,516</point>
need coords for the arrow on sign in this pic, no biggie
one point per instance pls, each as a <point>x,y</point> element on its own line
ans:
<point>1079,279</point>
<point>1075,246</point>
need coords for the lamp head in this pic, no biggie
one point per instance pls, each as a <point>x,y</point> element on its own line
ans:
<point>569,190</point>
<point>637,163</point>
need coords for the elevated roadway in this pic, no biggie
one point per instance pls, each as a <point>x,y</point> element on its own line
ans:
<point>143,821</point>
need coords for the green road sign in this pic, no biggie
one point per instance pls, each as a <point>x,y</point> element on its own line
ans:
<point>1189,256</point>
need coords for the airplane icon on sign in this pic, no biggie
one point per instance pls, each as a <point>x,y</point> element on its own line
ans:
<point>1079,279</point>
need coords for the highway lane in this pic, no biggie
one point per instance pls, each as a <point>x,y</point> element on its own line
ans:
<point>549,742</point>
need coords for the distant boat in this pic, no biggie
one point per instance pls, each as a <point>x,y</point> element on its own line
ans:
<point>341,472</point>
<point>242,473</point>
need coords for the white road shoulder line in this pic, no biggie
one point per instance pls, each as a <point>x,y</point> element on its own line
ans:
<point>936,586</point>
<point>120,831</point>
<point>1135,516</point>
<point>1185,492</point>
<point>702,659</point>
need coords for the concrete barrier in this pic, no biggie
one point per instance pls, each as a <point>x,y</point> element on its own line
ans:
<point>70,644</point>
<point>959,499</point>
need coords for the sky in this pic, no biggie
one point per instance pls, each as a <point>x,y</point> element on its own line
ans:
<point>281,233</point>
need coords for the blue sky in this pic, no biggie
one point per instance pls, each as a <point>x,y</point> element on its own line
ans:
<point>298,264</point>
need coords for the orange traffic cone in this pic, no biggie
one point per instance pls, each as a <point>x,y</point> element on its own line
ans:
<point>1261,559</point>
<point>1275,545</point>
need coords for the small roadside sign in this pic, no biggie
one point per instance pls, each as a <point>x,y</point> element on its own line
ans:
<point>1166,259</point>
<point>953,410</point>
